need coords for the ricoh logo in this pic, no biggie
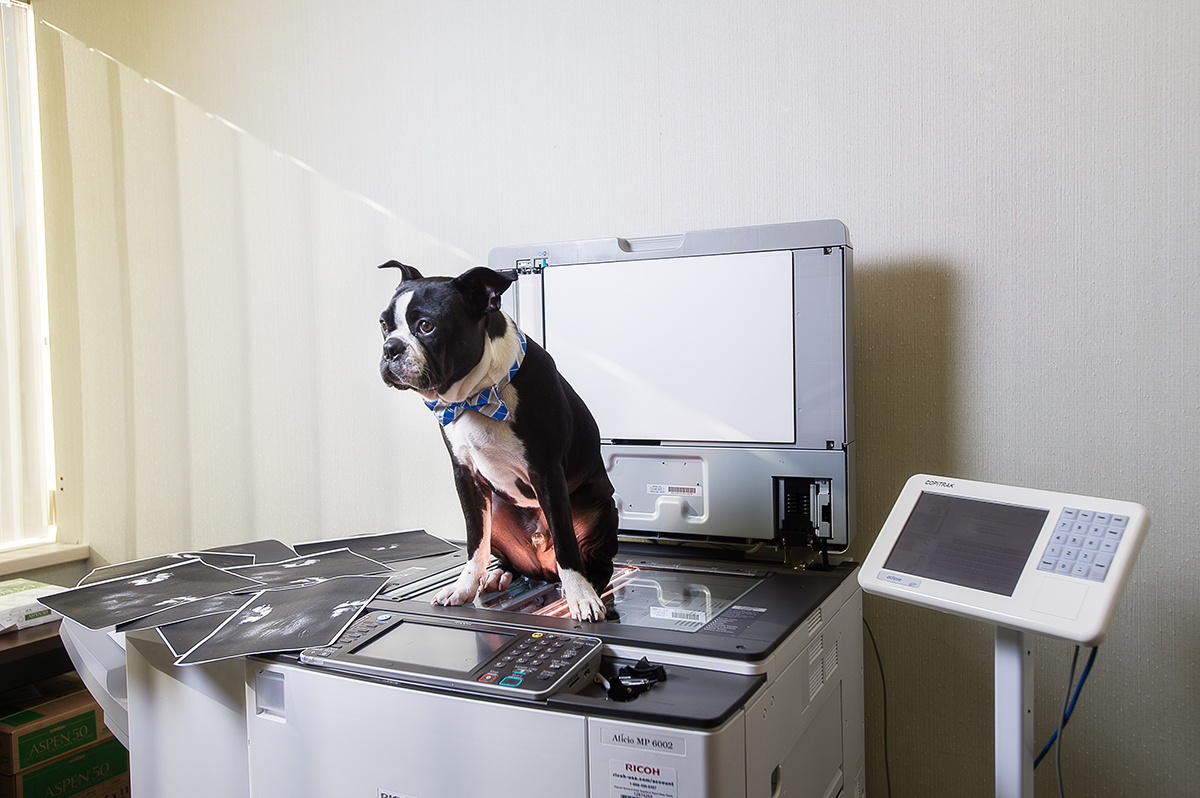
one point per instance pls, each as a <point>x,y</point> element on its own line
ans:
<point>937,483</point>
<point>644,770</point>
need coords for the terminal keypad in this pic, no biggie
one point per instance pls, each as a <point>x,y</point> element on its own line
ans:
<point>1083,544</point>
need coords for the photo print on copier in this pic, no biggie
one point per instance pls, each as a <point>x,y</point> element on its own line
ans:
<point>114,601</point>
<point>386,546</point>
<point>288,619</point>
<point>182,636</point>
<point>310,569</point>
<point>222,605</point>
<point>126,569</point>
<point>263,551</point>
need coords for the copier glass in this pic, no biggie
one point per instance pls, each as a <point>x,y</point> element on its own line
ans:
<point>723,508</point>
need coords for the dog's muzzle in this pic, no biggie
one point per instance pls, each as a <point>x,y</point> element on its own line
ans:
<point>397,366</point>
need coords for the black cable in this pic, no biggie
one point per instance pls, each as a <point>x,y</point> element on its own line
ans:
<point>883,683</point>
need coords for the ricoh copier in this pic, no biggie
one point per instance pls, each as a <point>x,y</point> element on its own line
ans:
<point>718,366</point>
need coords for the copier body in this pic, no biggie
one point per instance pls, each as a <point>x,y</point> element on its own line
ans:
<point>787,720</point>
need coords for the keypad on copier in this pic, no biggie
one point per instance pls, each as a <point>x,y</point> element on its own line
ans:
<point>1083,544</point>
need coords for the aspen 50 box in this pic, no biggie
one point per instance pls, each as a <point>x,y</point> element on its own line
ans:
<point>100,770</point>
<point>58,717</point>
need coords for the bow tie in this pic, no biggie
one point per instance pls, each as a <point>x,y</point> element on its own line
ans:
<point>487,401</point>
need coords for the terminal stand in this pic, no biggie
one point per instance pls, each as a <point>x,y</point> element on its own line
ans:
<point>1027,562</point>
<point>1014,714</point>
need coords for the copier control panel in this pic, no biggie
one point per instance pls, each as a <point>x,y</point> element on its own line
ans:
<point>473,657</point>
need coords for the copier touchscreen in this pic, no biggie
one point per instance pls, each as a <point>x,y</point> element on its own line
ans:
<point>440,647</point>
<point>461,656</point>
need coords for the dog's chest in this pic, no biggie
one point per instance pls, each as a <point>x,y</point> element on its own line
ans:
<point>490,448</point>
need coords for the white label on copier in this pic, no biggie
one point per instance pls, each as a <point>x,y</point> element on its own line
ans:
<point>655,489</point>
<point>639,780</point>
<point>637,738</point>
<point>693,616</point>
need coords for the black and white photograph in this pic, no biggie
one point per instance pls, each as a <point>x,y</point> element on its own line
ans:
<point>311,568</point>
<point>386,546</point>
<point>264,551</point>
<point>182,636</point>
<point>288,620</point>
<point>222,604</point>
<point>115,601</point>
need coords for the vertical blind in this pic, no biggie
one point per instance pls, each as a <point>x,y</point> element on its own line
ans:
<point>25,438</point>
<point>214,314</point>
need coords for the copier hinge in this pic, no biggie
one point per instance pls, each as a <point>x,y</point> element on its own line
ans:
<point>531,265</point>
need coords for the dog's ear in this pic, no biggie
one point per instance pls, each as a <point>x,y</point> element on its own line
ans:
<point>482,287</point>
<point>406,272</point>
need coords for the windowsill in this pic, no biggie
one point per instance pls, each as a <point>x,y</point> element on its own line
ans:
<point>19,560</point>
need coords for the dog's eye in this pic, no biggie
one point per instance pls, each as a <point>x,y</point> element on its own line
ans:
<point>383,328</point>
<point>425,326</point>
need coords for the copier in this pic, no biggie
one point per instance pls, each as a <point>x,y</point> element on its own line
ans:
<point>732,662</point>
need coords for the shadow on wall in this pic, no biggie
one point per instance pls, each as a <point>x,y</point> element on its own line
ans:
<point>902,386</point>
<point>904,397</point>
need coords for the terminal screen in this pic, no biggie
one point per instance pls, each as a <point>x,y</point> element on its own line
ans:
<point>421,646</point>
<point>968,542</point>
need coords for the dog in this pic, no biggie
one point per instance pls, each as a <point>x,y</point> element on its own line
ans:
<point>525,449</point>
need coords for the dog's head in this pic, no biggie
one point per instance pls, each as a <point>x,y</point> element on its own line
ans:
<point>435,328</point>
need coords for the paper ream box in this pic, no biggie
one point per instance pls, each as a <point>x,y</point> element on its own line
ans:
<point>100,770</point>
<point>19,608</point>
<point>61,718</point>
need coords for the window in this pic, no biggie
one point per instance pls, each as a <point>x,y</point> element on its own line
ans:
<point>26,442</point>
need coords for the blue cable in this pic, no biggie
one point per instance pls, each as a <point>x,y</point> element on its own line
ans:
<point>1070,707</point>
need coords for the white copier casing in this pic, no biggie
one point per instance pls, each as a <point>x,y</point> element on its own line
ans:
<point>323,733</point>
<point>271,727</point>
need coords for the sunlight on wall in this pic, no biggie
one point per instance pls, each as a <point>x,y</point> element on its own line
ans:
<point>215,309</point>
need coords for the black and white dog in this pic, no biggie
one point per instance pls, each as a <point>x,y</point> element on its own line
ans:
<point>525,448</point>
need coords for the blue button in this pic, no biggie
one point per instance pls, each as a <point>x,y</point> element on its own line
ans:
<point>385,616</point>
<point>510,681</point>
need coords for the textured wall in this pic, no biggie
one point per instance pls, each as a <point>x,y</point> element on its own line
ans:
<point>1021,183</point>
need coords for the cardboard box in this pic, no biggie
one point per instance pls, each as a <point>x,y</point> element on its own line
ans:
<point>19,608</point>
<point>60,718</point>
<point>100,770</point>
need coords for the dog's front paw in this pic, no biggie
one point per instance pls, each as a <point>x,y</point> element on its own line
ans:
<point>495,581</point>
<point>453,596</point>
<point>581,597</point>
<point>463,591</point>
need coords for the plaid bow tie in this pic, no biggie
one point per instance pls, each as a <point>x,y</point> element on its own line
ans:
<point>487,401</point>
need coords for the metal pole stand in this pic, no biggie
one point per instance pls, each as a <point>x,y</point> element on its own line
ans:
<point>1014,714</point>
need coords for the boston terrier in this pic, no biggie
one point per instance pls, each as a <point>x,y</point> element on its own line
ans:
<point>525,449</point>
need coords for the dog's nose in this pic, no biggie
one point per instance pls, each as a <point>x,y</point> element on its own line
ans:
<point>393,348</point>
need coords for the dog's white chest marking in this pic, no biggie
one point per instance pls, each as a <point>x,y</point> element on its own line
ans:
<point>491,448</point>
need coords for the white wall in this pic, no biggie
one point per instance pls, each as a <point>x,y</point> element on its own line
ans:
<point>1020,180</point>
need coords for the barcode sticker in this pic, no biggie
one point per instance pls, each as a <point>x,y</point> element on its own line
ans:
<point>673,490</point>
<point>670,613</point>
